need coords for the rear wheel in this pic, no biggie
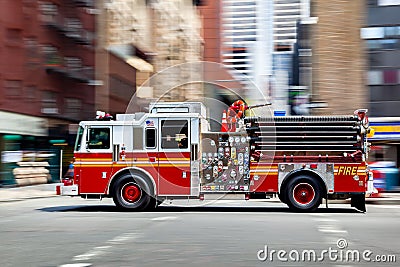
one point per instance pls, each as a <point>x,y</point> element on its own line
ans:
<point>303,193</point>
<point>132,191</point>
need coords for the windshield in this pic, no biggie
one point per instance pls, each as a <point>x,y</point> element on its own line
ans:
<point>78,139</point>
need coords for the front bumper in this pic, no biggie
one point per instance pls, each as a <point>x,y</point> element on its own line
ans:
<point>67,190</point>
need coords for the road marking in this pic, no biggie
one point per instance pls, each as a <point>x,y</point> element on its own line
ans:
<point>330,228</point>
<point>76,265</point>
<point>121,239</point>
<point>6,221</point>
<point>325,220</point>
<point>335,231</point>
<point>320,214</point>
<point>97,251</point>
<point>387,206</point>
<point>166,218</point>
<point>102,250</point>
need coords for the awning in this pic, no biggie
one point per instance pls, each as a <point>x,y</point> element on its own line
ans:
<point>140,64</point>
<point>386,129</point>
<point>14,123</point>
<point>127,53</point>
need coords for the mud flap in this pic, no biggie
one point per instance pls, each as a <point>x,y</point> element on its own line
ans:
<point>358,202</point>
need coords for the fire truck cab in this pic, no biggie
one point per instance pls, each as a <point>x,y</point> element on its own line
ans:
<point>141,159</point>
<point>140,156</point>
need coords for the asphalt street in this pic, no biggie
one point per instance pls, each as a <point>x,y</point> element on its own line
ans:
<point>64,231</point>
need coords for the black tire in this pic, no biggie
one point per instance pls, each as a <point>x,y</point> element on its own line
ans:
<point>159,202</point>
<point>303,193</point>
<point>282,196</point>
<point>132,191</point>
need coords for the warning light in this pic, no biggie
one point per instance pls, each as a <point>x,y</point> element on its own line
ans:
<point>313,166</point>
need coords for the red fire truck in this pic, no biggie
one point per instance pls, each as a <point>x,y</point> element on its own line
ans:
<point>142,159</point>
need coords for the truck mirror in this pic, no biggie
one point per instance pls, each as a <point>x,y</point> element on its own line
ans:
<point>87,135</point>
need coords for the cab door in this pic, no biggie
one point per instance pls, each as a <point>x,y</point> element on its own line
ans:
<point>174,157</point>
<point>95,160</point>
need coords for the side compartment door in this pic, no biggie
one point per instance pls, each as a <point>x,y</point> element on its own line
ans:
<point>95,160</point>
<point>174,157</point>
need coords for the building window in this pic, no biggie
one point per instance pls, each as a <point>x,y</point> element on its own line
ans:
<point>32,52</point>
<point>390,76</point>
<point>48,11</point>
<point>372,33</point>
<point>12,88</point>
<point>74,27</point>
<point>387,44</point>
<point>392,32</point>
<point>380,32</point>
<point>375,77</point>
<point>30,93</point>
<point>51,56</point>
<point>73,63</point>
<point>372,44</point>
<point>73,108</point>
<point>388,2</point>
<point>375,59</point>
<point>49,103</point>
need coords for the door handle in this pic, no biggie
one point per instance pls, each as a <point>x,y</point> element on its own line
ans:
<point>152,159</point>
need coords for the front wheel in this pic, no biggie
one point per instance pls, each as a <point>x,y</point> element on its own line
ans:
<point>132,191</point>
<point>303,193</point>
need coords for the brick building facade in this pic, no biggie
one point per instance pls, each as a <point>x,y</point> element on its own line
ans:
<point>338,60</point>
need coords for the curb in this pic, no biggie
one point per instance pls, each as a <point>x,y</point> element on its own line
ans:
<point>26,198</point>
<point>12,194</point>
<point>388,201</point>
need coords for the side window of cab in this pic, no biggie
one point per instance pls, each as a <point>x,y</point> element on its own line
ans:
<point>99,138</point>
<point>174,134</point>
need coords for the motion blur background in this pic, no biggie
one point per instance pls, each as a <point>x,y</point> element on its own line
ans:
<point>61,60</point>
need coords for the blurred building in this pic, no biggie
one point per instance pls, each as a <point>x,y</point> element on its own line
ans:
<point>176,33</point>
<point>47,72</point>
<point>247,41</point>
<point>256,39</point>
<point>301,82</point>
<point>148,36</point>
<point>382,38</point>
<point>48,47</point>
<point>287,13</point>
<point>120,64</point>
<point>338,56</point>
<point>210,12</point>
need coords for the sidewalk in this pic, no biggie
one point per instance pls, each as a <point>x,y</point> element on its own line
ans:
<point>385,199</point>
<point>27,192</point>
<point>49,190</point>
